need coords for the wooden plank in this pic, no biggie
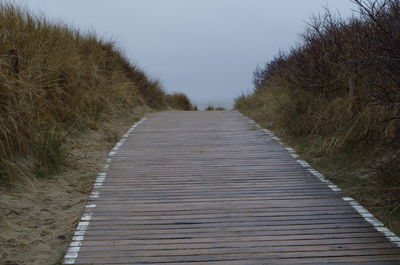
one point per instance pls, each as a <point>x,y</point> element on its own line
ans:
<point>282,246</point>
<point>259,250</point>
<point>272,239</point>
<point>354,255</point>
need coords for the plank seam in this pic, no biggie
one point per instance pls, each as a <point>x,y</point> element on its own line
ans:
<point>80,230</point>
<point>370,218</point>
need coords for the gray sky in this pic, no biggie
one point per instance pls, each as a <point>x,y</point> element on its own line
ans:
<point>207,49</point>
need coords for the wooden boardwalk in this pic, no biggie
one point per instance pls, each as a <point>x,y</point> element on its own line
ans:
<point>211,188</point>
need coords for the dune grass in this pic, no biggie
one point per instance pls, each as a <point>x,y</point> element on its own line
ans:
<point>65,82</point>
<point>179,101</point>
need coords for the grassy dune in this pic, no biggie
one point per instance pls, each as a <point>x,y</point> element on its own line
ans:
<point>336,97</point>
<point>66,81</point>
<point>180,101</point>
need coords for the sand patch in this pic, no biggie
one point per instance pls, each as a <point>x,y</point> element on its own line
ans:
<point>38,220</point>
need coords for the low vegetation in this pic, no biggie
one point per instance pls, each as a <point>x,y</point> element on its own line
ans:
<point>179,101</point>
<point>336,97</point>
<point>56,82</point>
<point>210,108</point>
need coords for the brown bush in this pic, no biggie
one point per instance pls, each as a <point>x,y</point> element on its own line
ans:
<point>341,84</point>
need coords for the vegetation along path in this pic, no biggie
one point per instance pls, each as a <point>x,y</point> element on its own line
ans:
<point>214,188</point>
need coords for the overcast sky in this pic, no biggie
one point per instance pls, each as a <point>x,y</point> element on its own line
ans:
<point>204,48</point>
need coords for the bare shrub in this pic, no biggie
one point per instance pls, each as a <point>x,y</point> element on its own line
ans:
<point>340,84</point>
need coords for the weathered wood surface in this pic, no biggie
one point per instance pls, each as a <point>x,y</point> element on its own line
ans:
<point>210,188</point>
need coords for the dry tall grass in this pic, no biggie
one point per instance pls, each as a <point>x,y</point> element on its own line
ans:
<point>179,101</point>
<point>340,87</point>
<point>67,81</point>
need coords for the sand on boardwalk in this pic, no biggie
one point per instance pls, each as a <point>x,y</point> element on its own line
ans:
<point>37,219</point>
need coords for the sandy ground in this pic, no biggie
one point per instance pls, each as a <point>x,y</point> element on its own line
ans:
<point>38,219</point>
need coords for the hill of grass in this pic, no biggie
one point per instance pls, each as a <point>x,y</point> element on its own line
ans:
<point>56,82</point>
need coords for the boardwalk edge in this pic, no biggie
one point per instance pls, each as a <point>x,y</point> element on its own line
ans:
<point>80,230</point>
<point>369,217</point>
